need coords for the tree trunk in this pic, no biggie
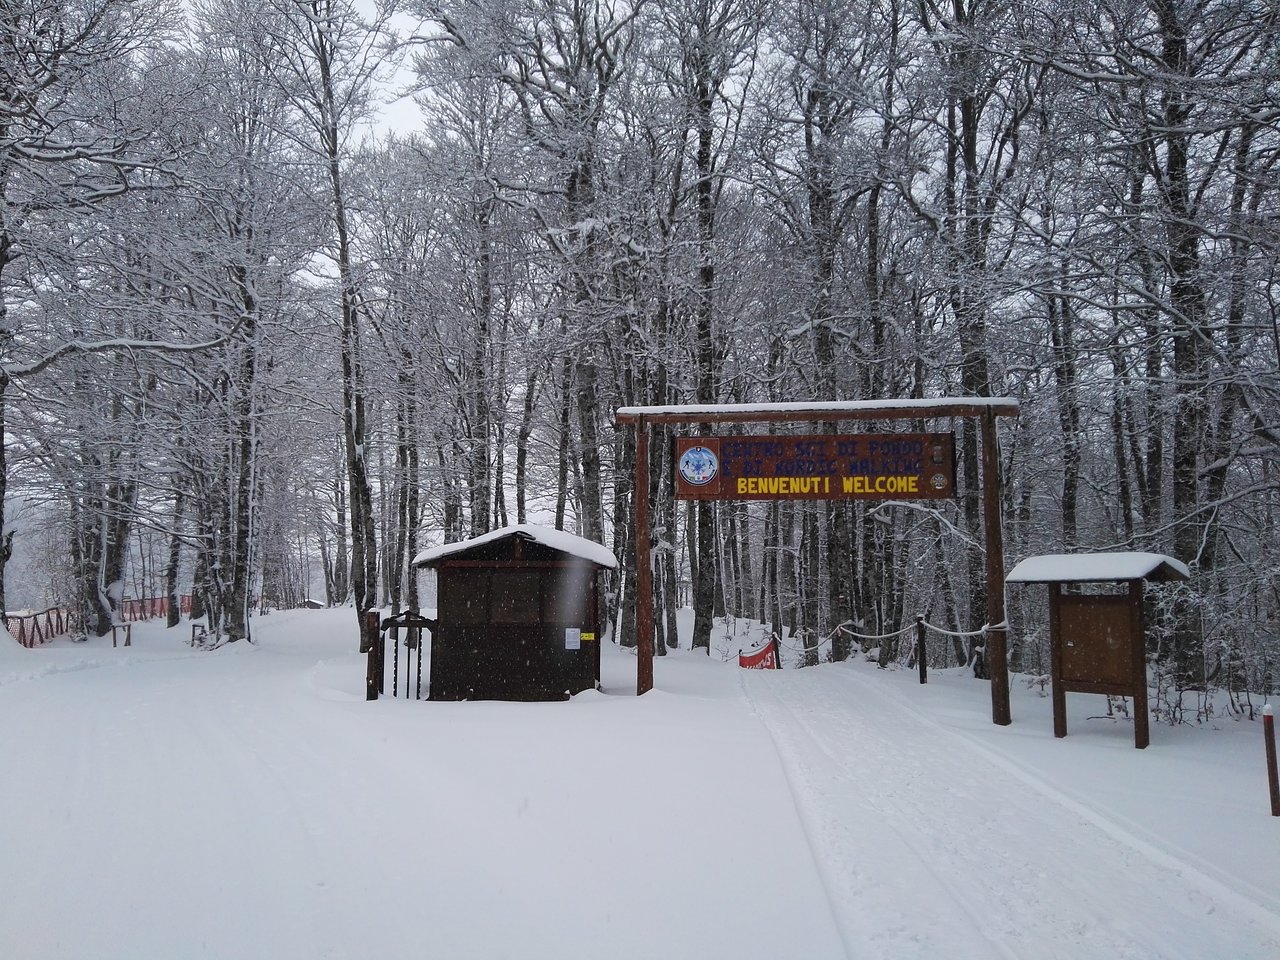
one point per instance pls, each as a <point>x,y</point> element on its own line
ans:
<point>175,556</point>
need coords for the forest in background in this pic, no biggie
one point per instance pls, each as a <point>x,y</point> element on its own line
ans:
<point>251,344</point>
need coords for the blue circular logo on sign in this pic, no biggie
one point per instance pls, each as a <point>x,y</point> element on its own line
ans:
<point>699,466</point>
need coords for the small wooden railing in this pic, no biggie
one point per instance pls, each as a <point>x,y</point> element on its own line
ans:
<point>33,629</point>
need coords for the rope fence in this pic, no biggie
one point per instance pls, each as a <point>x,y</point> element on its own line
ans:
<point>920,628</point>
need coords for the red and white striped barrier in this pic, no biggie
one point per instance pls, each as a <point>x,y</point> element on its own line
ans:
<point>766,658</point>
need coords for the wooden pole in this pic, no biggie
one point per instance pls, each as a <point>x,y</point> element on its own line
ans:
<point>1055,661</point>
<point>644,570</point>
<point>997,629</point>
<point>920,649</point>
<point>1269,735</point>
<point>1138,661</point>
<point>373,671</point>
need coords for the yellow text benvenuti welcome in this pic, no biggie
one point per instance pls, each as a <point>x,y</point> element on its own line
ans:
<point>800,486</point>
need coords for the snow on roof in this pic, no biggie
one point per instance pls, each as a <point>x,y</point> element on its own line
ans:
<point>1084,567</point>
<point>711,411</point>
<point>568,543</point>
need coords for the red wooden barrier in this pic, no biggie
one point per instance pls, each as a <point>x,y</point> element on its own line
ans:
<point>144,609</point>
<point>148,607</point>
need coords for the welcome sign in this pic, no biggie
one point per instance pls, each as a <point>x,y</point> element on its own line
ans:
<point>872,466</point>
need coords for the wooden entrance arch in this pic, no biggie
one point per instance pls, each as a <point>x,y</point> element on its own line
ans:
<point>983,409</point>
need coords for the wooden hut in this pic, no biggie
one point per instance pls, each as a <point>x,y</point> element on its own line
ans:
<point>518,615</point>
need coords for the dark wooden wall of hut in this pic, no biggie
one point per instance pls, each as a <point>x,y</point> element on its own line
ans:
<point>503,623</point>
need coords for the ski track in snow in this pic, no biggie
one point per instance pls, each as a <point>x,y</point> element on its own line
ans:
<point>232,774</point>
<point>1247,898</point>
<point>984,856</point>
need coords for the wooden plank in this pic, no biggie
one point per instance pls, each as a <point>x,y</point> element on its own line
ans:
<point>815,413</point>
<point>521,564</point>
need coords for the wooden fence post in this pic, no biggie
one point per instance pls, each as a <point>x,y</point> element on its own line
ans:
<point>921,658</point>
<point>1269,736</point>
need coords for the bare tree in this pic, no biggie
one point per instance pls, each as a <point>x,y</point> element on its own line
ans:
<point>328,60</point>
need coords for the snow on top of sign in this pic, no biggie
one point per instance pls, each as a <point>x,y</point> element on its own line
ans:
<point>850,406</point>
<point>1076,567</point>
<point>568,543</point>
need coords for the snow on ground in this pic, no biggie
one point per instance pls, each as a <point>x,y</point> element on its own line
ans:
<point>160,802</point>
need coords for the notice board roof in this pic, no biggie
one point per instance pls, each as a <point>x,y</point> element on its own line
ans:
<point>822,410</point>
<point>560,540</point>
<point>1098,567</point>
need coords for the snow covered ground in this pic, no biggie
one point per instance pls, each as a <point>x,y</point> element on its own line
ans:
<point>157,802</point>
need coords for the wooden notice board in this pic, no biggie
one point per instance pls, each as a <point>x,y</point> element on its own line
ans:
<point>1097,646</point>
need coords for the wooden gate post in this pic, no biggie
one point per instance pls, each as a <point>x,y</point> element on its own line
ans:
<point>921,658</point>
<point>373,669</point>
<point>993,535</point>
<point>644,559</point>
